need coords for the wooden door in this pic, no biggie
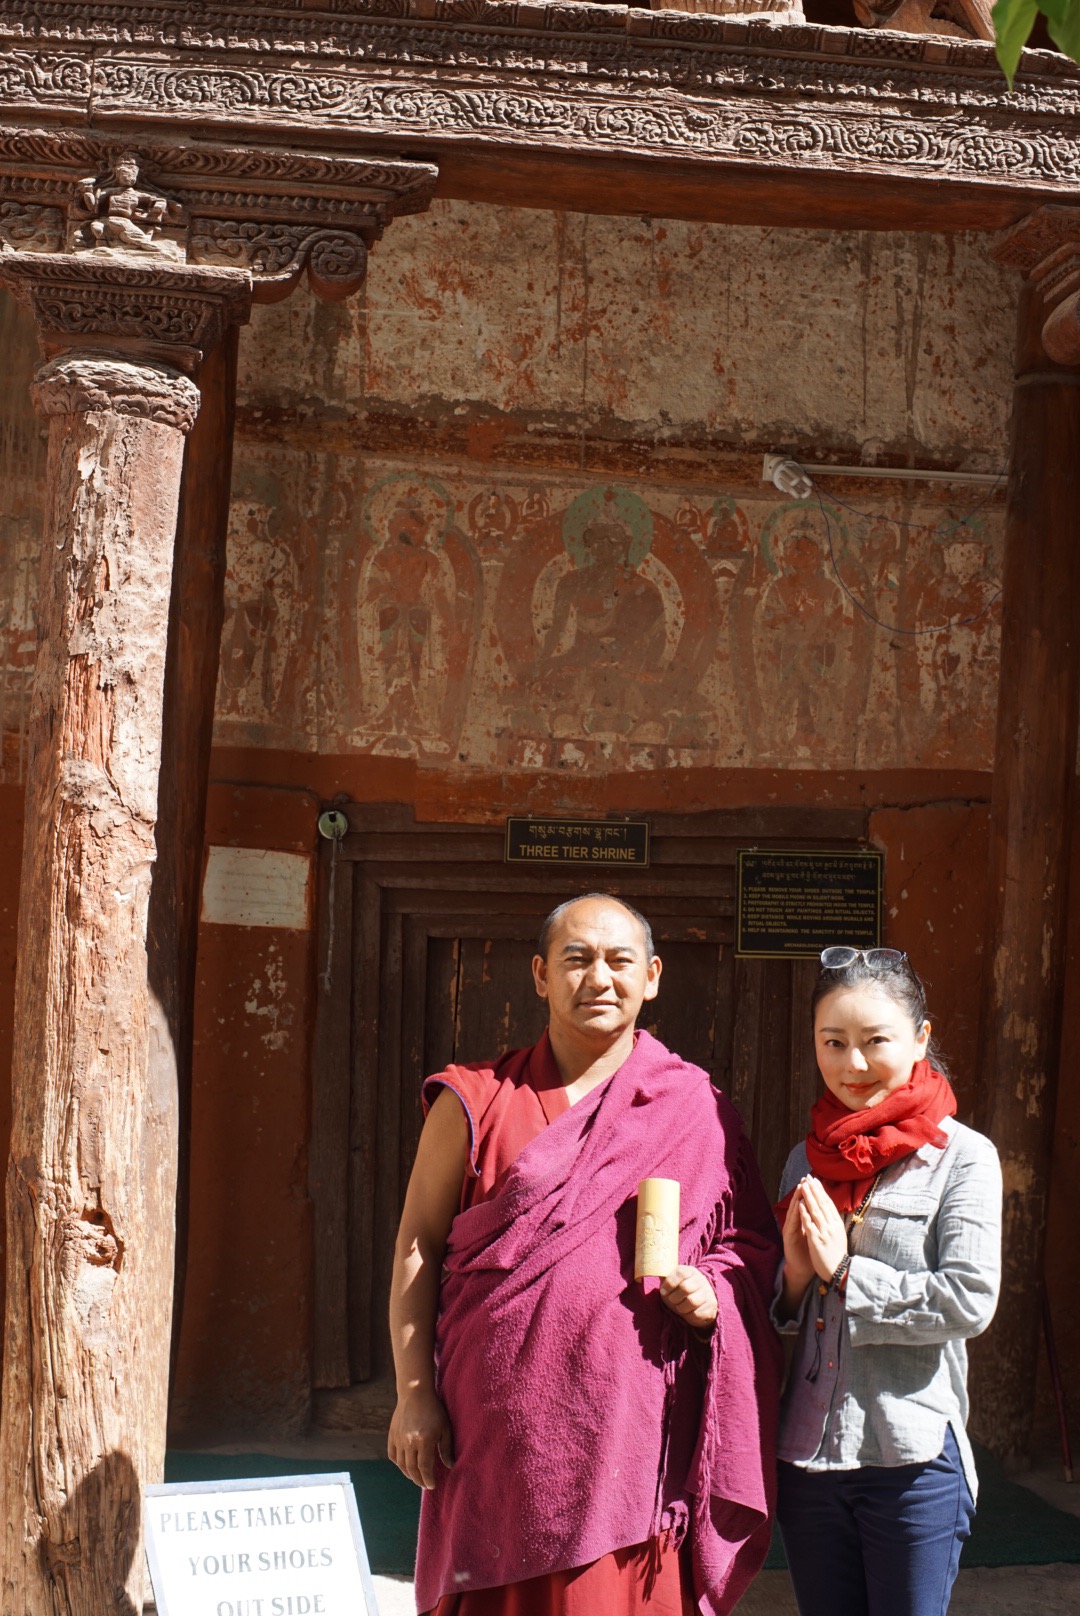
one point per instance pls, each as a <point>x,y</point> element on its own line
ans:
<point>426,945</point>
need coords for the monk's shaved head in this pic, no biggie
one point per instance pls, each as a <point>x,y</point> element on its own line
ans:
<point>547,930</point>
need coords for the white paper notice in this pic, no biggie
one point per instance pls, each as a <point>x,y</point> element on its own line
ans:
<point>289,1546</point>
<point>251,886</point>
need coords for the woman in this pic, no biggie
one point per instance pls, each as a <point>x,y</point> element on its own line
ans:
<point>891,1213</point>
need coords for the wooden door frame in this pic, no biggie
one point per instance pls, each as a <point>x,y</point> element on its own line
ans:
<point>367,885</point>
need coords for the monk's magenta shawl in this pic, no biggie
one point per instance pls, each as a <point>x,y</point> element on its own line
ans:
<point>586,1416</point>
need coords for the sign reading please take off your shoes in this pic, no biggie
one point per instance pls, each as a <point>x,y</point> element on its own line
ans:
<point>284,1546</point>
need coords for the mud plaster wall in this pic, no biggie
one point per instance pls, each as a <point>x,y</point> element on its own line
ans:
<point>499,541</point>
<point>506,510</point>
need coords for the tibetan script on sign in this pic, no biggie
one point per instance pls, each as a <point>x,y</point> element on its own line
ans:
<point>577,841</point>
<point>791,905</point>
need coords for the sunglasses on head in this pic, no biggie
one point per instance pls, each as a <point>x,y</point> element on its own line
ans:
<point>841,955</point>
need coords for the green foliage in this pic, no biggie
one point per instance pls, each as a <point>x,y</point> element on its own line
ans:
<point>1063,23</point>
<point>1014,20</point>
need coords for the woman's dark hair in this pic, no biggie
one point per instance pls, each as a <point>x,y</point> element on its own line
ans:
<point>898,979</point>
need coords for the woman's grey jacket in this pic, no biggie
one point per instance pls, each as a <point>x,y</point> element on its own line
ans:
<point>925,1268</point>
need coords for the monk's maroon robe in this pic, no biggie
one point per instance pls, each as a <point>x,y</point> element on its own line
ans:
<point>587,1419</point>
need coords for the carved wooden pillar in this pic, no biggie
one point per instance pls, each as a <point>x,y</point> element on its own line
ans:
<point>132,282</point>
<point>91,1179</point>
<point>1034,768</point>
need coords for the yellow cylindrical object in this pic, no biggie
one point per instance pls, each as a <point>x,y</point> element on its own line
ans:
<point>656,1251</point>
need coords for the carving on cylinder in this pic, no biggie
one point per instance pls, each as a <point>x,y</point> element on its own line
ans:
<point>97,382</point>
<point>1061,332</point>
<point>337,264</point>
<point>1045,248</point>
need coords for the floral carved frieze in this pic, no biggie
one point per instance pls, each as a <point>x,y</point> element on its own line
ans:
<point>584,80</point>
<point>266,214</point>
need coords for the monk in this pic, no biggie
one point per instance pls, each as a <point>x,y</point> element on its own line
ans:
<point>587,1446</point>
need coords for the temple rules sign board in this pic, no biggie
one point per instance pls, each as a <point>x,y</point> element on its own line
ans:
<point>791,905</point>
<point>288,1546</point>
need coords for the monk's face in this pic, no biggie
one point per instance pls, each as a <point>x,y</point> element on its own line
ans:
<point>597,974</point>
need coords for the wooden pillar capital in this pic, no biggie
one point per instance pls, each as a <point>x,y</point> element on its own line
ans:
<point>1045,248</point>
<point>145,311</point>
<point>179,224</point>
<point>80,382</point>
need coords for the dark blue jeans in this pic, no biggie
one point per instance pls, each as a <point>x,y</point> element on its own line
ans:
<point>881,1541</point>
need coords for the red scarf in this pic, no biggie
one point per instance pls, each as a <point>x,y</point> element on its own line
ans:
<point>847,1149</point>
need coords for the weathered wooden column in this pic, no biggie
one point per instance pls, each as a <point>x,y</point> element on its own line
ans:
<point>1034,769</point>
<point>91,1180</point>
<point>131,283</point>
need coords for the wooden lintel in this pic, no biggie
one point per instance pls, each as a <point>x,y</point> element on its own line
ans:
<point>719,193</point>
<point>603,108</point>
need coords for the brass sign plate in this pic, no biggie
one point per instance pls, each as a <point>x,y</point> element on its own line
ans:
<point>608,844</point>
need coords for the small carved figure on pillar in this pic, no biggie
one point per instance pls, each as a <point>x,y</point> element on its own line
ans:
<point>118,213</point>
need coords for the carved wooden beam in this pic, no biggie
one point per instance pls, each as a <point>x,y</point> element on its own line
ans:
<point>78,211</point>
<point>601,107</point>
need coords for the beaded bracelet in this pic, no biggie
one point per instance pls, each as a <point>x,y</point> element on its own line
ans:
<point>840,1272</point>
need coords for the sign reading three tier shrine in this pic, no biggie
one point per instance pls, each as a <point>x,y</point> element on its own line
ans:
<point>600,843</point>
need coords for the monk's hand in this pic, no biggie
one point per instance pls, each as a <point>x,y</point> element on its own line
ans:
<point>419,1433</point>
<point>688,1293</point>
<point>823,1227</point>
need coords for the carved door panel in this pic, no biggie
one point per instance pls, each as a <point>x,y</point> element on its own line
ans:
<point>426,943</point>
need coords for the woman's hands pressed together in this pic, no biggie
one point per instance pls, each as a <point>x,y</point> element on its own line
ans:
<point>815,1240</point>
<point>823,1227</point>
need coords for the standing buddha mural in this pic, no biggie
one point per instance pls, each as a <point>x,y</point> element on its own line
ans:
<point>528,624</point>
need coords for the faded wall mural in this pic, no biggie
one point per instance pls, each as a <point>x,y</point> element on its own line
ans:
<point>421,566</point>
<point>446,616</point>
<point>528,623</point>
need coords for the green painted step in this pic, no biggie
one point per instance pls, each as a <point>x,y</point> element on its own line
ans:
<point>1012,1527</point>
